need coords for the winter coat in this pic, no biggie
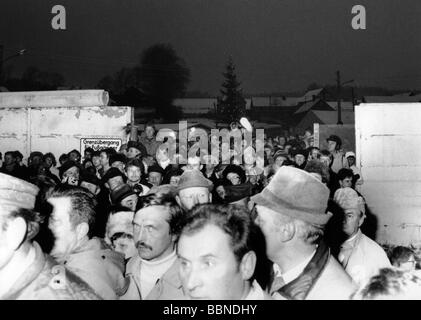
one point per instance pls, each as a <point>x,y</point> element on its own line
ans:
<point>45,279</point>
<point>168,287</point>
<point>150,145</point>
<point>101,267</point>
<point>322,279</point>
<point>362,258</point>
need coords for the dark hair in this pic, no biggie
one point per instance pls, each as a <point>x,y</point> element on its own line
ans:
<point>51,156</point>
<point>109,152</point>
<point>391,282</point>
<point>83,203</point>
<point>63,158</point>
<point>310,150</point>
<point>117,157</point>
<point>18,154</point>
<point>86,161</point>
<point>345,173</point>
<point>150,124</point>
<point>89,149</point>
<point>234,220</point>
<point>12,153</point>
<point>166,200</point>
<point>400,254</point>
<point>172,173</point>
<point>136,163</point>
<point>96,153</point>
<point>75,151</point>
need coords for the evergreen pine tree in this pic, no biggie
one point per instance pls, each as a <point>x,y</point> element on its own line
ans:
<point>231,105</point>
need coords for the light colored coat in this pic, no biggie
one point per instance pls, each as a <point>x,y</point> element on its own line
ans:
<point>168,287</point>
<point>45,279</point>
<point>333,284</point>
<point>366,259</point>
<point>101,267</point>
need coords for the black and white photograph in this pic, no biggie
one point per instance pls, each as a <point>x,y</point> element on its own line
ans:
<point>224,150</point>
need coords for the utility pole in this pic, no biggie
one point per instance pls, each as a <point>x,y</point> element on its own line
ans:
<point>338,86</point>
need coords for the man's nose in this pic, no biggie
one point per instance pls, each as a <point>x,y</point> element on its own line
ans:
<point>195,199</point>
<point>193,280</point>
<point>141,235</point>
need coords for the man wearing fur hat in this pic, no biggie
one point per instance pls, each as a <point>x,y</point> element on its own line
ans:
<point>291,211</point>
<point>25,271</point>
<point>71,223</point>
<point>360,256</point>
<point>119,231</point>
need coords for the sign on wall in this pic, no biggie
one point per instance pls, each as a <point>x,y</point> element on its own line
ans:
<point>100,143</point>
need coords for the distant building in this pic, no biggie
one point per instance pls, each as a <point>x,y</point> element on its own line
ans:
<point>324,117</point>
<point>403,97</point>
<point>287,110</point>
<point>196,106</point>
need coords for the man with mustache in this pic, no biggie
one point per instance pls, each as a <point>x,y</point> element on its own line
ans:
<point>153,272</point>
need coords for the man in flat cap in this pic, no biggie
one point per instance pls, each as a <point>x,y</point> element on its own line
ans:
<point>359,255</point>
<point>193,188</point>
<point>113,179</point>
<point>25,271</point>
<point>155,175</point>
<point>124,196</point>
<point>291,211</point>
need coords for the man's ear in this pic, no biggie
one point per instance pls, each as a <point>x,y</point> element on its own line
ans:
<point>210,197</point>
<point>247,265</point>
<point>82,230</point>
<point>287,231</point>
<point>15,232</point>
<point>362,218</point>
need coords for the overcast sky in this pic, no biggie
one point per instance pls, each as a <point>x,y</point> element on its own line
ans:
<point>277,45</point>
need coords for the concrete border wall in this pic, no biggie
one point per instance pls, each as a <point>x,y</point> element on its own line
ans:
<point>388,148</point>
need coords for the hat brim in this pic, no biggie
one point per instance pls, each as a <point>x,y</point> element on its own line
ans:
<point>210,187</point>
<point>319,219</point>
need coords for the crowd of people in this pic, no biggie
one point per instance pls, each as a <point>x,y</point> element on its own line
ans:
<point>139,224</point>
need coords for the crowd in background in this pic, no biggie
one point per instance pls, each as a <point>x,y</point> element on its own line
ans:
<point>131,224</point>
